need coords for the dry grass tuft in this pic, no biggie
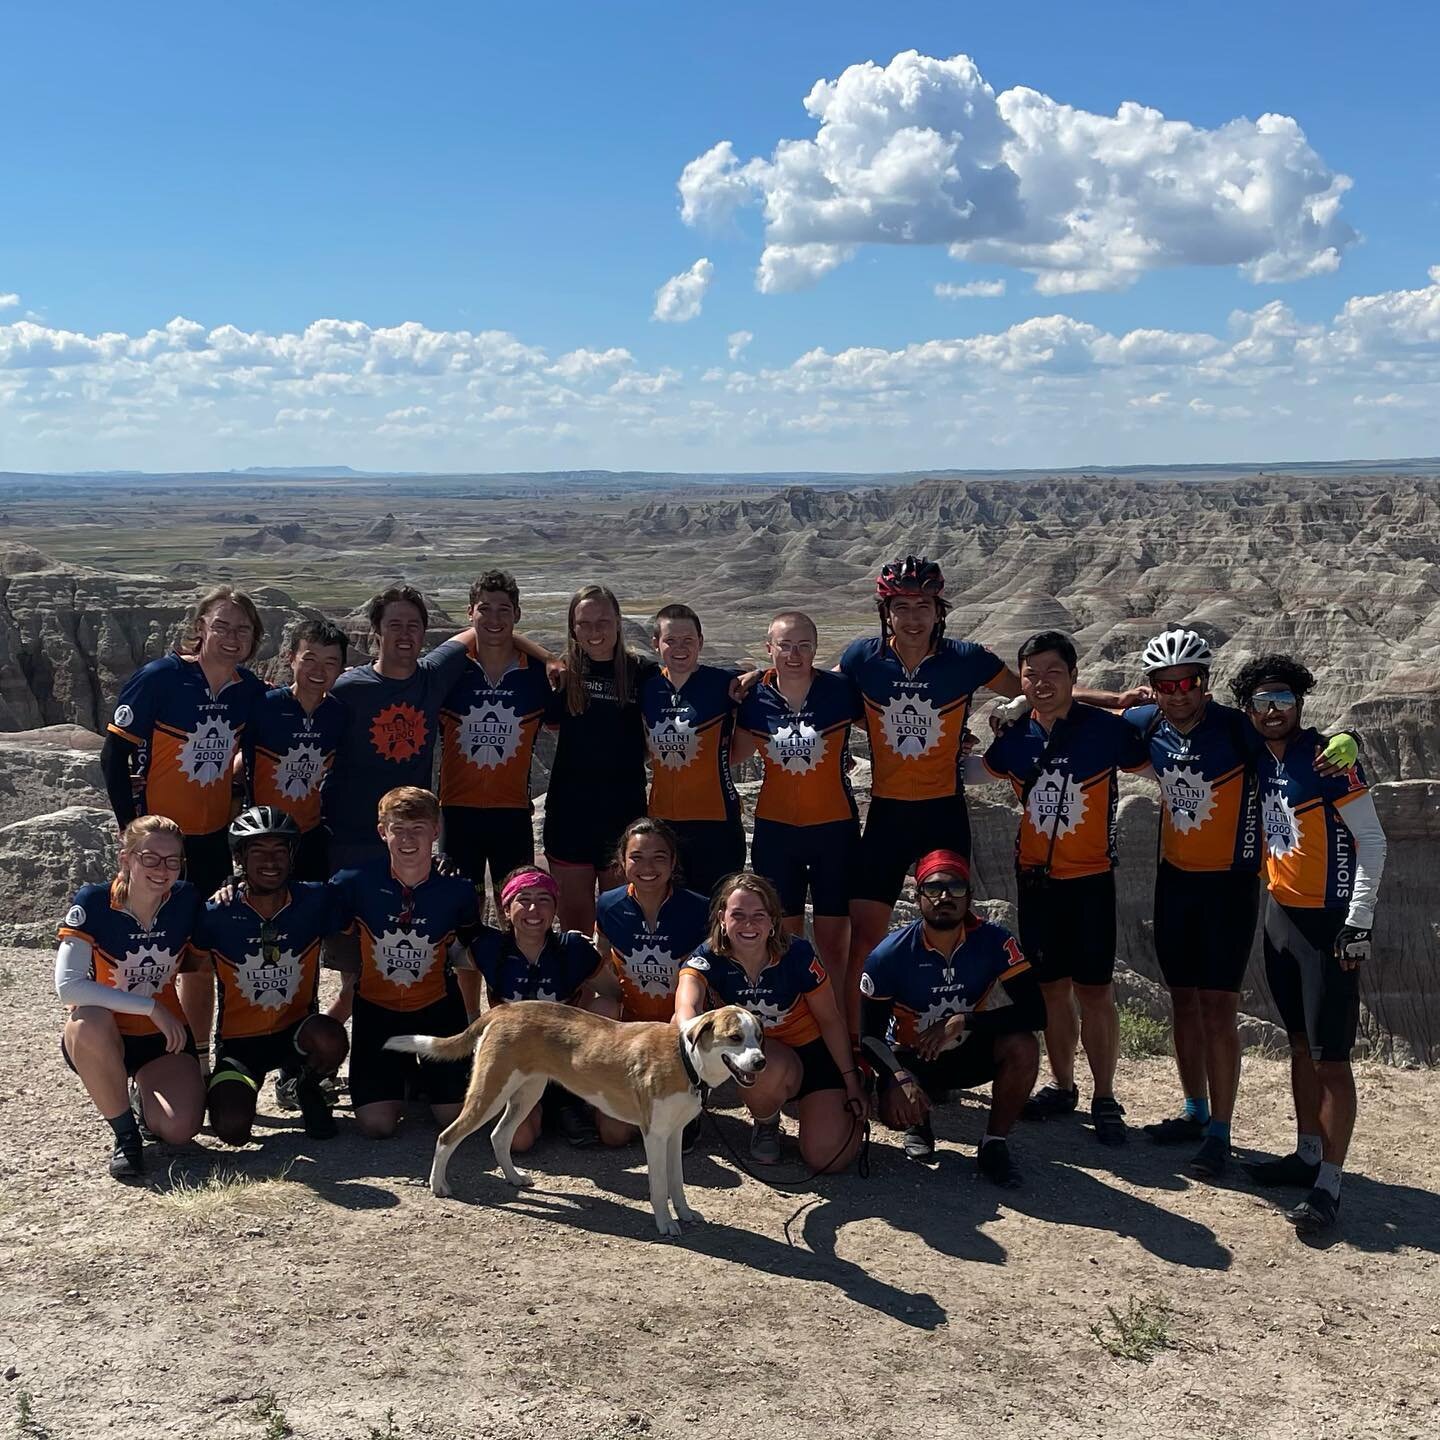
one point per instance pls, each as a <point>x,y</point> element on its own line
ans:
<point>228,1195</point>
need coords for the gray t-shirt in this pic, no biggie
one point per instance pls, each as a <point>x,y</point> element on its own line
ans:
<point>389,741</point>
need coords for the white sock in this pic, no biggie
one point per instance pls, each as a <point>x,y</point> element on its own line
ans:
<point>988,1138</point>
<point>1329,1179</point>
<point>1310,1149</point>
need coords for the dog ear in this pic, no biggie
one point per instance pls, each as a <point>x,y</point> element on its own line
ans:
<point>702,1029</point>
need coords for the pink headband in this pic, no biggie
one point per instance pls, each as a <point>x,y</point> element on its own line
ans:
<point>528,880</point>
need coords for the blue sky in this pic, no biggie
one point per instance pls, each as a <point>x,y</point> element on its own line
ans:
<point>477,169</point>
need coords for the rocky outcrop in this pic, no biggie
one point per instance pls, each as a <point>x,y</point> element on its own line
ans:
<point>43,861</point>
<point>45,770</point>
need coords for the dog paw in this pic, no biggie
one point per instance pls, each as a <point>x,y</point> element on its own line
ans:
<point>523,1180</point>
<point>669,1228</point>
<point>440,1190</point>
<point>689,1216</point>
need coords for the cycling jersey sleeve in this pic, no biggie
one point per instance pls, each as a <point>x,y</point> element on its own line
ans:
<point>75,983</point>
<point>116,757</point>
<point>874,1027</point>
<point>1361,820</point>
<point>1026,1010</point>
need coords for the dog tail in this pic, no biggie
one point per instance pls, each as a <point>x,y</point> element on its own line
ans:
<point>435,1047</point>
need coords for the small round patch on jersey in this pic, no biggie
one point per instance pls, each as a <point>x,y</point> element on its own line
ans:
<point>75,915</point>
<point>697,962</point>
<point>867,985</point>
<point>124,715</point>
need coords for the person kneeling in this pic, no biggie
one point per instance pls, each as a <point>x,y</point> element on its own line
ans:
<point>528,958</point>
<point>948,1003</point>
<point>263,933</point>
<point>750,960</point>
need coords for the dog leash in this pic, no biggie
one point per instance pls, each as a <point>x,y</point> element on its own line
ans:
<point>862,1158</point>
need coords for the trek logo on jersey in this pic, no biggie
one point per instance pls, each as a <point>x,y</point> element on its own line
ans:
<point>1190,796</point>
<point>299,772</point>
<point>912,724</point>
<point>674,742</point>
<point>652,970</point>
<point>269,982</point>
<point>398,732</point>
<point>797,748</point>
<point>205,756</point>
<point>146,971</point>
<point>489,734</point>
<point>1056,805</point>
<point>1282,825</point>
<point>403,957</point>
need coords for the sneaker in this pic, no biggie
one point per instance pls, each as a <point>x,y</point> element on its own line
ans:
<point>1288,1170</point>
<point>576,1125</point>
<point>1315,1214</point>
<point>286,1096</point>
<point>765,1141</point>
<point>137,1109</point>
<point>1050,1101</point>
<point>919,1141</point>
<point>1177,1130</point>
<point>1211,1158</point>
<point>993,1162</point>
<point>1107,1115</point>
<point>690,1136</point>
<point>319,1122</point>
<point>127,1162</point>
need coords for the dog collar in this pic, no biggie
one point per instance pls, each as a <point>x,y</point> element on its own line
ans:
<point>691,1073</point>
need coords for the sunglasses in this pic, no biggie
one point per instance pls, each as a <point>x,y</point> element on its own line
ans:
<point>150,860</point>
<point>1183,686</point>
<point>270,943</point>
<point>940,889</point>
<point>1273,700</point>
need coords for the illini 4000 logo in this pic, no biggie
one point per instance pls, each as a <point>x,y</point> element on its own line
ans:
<point>299,772</point>
<point>269,983</point>
<point>398,732</point>
<point>489,735</point>
<point>912,725</point>
<point>1056,805</point>
<point>1189,796</point>
<point>674,742</point>
<point>797,747</point>
<point>208,749</point>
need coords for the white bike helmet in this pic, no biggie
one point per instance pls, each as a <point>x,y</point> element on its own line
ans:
<point>1176,647</point>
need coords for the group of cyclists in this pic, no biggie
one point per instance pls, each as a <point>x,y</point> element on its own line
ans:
<point>347,851</point>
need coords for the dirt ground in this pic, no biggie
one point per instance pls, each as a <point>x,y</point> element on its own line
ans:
<point>341,1301</point>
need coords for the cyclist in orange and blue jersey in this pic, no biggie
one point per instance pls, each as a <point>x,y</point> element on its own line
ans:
<point>689,719</point>
<point>488,726</point>
<point>807,834</point>
<point>293,735</point>
<point>1324,857</point>
<point>749,959</point>
<point>171,748</point>
<point>1062,762</point>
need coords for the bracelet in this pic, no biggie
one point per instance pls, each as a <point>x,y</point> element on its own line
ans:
<point>849,1072</point>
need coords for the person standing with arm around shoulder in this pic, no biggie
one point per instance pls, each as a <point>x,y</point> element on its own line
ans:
<point>1324,857</point>
<point>121,946</point>
<point>171,746</point>
<point>750,960</point>
<point>1063,761</point>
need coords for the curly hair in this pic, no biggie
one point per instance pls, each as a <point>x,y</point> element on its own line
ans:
<point>1270,667</point>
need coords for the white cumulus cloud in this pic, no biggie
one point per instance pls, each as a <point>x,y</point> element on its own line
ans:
<point>736,342</point>
<point>922,151</point>
<point>9,300</point>
<point>680,297</point>
<point>971,290</point>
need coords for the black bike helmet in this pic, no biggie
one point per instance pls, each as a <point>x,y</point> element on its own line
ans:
<point>914,575</point>
<point>260,822</point>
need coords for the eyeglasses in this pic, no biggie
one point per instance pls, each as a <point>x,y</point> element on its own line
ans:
<point>1273,700</point>
<point>1182,686</point>
<point>153,860</point>
<point>941,889</point>
<point>795,647</point>
<point>223,628</point>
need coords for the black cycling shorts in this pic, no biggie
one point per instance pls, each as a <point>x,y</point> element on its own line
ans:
<point>1204,926</point>
<point>709,851</point>
<point>207,862</point>
<point>378,1074</point>
<point>970,1064</point>
<point>1315,997</point>
<point>312,856</point>
<point>1067,927</point>
<point>816,859</point>
<point>818,1070</point>
<point>139,1050</point>
<point>477,839</point>
<point>589,836</point>
<point>898,833</point>
<point>258,1055</point>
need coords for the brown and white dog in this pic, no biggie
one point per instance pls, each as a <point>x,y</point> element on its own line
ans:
<point>646,1073</point>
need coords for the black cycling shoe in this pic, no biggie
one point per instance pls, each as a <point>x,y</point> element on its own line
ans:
<point>1176,1130</point>
<point>127,1162</point>
<point>1288,1170</point>
<point>1107,1115</point>
<point>319,1121</point>
<point>993,1162</point>
<point>1315,1214</point>
<point>919,1141</point>
<point>137,1109</point>
<point>1051,1101</point>
<point>576,1125</point>
<point>690,1136</point>
<point>1211,1158</point>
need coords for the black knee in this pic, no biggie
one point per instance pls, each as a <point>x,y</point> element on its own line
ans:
<point>322,1044</point>
<point>232,1113</point>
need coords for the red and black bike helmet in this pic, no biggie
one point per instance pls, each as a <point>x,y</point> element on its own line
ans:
<point>914,575</point>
